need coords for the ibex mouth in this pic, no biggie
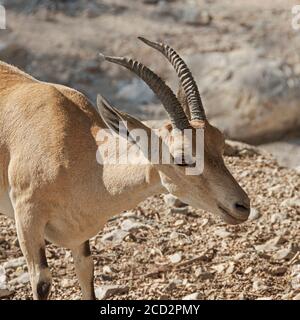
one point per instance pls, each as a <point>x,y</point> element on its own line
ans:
<point>229,218</point>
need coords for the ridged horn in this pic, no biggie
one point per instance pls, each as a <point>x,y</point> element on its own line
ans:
<point>159,87</point>
<point>185,76</point>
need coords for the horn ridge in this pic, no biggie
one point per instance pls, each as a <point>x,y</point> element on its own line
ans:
<point>159,87</point>
<point>185,76</point>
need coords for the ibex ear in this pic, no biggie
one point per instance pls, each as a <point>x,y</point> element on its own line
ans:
<point>113,118</point>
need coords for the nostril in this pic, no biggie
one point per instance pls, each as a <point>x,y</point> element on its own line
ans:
<point>242,207</point>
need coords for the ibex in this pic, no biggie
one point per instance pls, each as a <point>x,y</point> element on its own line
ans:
<point>53,186</point>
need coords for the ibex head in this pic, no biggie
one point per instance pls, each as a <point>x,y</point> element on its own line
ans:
<point>214,188</point>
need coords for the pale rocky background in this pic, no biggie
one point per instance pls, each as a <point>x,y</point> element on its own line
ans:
<point>245,58</point>
<point>244,55</point>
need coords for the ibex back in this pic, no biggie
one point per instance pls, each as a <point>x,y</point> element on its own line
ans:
<point>53,186</point>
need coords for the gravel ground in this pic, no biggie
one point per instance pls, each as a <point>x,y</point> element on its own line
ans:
<point>157,252</point>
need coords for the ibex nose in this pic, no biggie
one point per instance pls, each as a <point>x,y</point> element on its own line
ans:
<point>242,208</point>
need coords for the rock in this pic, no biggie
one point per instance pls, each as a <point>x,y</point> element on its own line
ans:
<point>194,15</point>
<point>19,271</point>
<point>278,271</point>
<point>16,242</point>
<point>296,283</point>
<point>174,235</point>
<point>219,268</point>
<point>204,222</point>
<point>105,292</point>
<point>173,201</point>
<point>230,268</point>
<point>286,296</point>
<point>241,296</point>
<point>203,275</point>
<point>179,223</point>
<point>254,214</point>
<point>295,274</point>
<point>296,297</point>
<point>222,233</point>
<point>236,148</point>
<point>21,279</point>
<point>239,256</point>
<point>172,285</point>
<point>284,254</point>
<point>192,296</point>
<point>270,245</point>
<point>259,285</point>
<point>61,272</point>
<point>14,263</point>
<point>67,283</point>
<point>107,270</point>
<point>277,241</point>
<point>291,203</point>
<point>176,257</point>
<point>5,293</point>
<point>129,214</point>
<point>286,152</point>
<point>136,91</point>
<point>3,284</point>
<point>183,210</point>
<point>248,270</point>
<point>277,217</point>
<point>115,236</point>
<point>131,226</point>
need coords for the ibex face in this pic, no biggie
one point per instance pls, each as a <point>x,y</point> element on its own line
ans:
<point>213,188</point>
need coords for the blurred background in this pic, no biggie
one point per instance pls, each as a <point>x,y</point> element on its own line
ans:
<point>243,54</point>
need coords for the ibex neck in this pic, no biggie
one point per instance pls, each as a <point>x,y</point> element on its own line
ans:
<point>128,185</point>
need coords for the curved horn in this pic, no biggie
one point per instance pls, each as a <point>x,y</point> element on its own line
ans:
<point>186,78</point>
<point>159,87</point>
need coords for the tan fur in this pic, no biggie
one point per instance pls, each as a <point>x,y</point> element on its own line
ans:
<point>59,191</point>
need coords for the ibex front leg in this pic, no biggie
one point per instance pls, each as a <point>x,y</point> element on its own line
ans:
<point>84,267</point>
<point>30,230</point>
